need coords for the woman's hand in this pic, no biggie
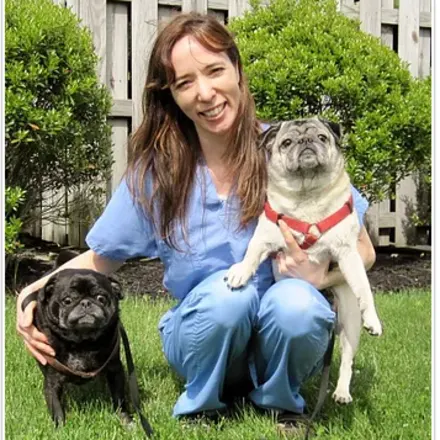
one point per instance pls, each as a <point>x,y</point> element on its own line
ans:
<point>295,263</point>
<point>35,341</point>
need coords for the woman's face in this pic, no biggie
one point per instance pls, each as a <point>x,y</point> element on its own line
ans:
<point>206,87</point>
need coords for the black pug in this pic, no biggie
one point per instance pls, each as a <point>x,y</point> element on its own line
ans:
<point>78,311</point>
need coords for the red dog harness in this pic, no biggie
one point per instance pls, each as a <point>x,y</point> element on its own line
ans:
<point>303,227</point>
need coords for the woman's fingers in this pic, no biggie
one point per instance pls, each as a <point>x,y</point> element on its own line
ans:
<point>36,354</point>
<point>35,341</point>
<point>295,251</point>
<point>281,260</point>
<point>26,317</point>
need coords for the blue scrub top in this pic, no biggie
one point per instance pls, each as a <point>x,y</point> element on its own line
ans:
<point>214,240</point>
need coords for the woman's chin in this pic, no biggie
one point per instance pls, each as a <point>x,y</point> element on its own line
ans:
<point>218,128</point>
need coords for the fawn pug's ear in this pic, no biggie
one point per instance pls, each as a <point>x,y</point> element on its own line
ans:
<point>267,139</point>
<point>334,128</point>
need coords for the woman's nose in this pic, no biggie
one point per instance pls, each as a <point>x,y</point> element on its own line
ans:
<point>205,90</point>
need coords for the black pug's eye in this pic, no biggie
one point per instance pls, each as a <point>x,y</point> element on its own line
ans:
<point>286,143</point>
<point>322,137</point>
<point>102,299</point>
<point>67,301</point>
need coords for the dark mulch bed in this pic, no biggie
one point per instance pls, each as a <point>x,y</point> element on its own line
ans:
<point>395,269</point>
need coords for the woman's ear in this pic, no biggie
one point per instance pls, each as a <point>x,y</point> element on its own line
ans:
<point>237,73</point>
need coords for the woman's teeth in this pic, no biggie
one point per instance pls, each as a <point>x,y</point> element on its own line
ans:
<point>214,112</point>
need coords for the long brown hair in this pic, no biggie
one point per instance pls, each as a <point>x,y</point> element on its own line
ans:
<point>166,144</point>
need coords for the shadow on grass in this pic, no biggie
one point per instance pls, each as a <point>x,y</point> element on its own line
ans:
<point>96,392</point>
<point>158,372</point>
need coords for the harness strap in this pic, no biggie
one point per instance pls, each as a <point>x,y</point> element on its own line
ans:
<point>303,227</point>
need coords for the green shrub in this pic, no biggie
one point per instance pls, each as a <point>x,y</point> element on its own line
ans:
<point>13,199</point>
<point>304,58</point>
<point>56,109</point>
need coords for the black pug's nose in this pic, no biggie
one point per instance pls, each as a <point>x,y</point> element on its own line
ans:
<point>85,304</point>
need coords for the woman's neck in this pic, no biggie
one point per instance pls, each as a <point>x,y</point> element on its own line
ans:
<point>213,148</point>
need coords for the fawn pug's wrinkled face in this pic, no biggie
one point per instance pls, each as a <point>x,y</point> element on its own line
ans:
<point>306,147</point>
<point>80,304</point>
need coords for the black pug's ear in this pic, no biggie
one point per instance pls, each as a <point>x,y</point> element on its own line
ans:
<point>46,292</point>
<point>267,138</point>
<point>334,127</point>
<point>116,287</point>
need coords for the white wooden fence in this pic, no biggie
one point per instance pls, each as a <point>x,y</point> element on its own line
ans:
<point>124,30</point>
<point>408,31</point>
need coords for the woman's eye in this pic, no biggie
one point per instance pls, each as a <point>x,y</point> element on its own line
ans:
<point>322,137</point>
<point>67,301</point>
<point>181,85</point>
<point>217,70</point>
<point>101,299</point>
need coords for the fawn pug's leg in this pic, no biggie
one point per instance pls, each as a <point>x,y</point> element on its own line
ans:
<point>348,327</point>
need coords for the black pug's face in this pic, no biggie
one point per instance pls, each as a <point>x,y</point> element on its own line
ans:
<point>80,302</point>
<point>304,145</point>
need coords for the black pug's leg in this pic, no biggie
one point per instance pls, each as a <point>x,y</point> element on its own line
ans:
<point>53,389</point>
<point>116,382</point>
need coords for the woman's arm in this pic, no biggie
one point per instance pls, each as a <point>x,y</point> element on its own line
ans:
<point>367,253</point>
<point>35,341</point>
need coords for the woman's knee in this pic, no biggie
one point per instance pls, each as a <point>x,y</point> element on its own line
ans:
<point>226,307</point>
<point>296,308</point>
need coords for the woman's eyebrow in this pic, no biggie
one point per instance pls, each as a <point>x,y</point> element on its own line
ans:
<point>185,76</point>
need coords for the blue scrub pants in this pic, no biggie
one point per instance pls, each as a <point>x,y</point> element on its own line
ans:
<point>207,340</point>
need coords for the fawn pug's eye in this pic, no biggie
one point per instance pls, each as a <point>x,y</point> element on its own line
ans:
<point>322,137</point>
<point>286,143</point>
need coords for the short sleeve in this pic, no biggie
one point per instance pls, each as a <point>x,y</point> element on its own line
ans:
<point>122,231</point>
<point>360,203</point>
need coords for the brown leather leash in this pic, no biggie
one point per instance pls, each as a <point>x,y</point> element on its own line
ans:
<point>325,378</point>
<point>132,378</point>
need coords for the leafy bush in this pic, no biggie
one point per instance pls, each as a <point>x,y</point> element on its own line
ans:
<point>304,58</point>
<point>13,198</point>
<point>56,108</point>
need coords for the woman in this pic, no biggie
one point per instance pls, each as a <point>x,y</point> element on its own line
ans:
<point>194,187</point>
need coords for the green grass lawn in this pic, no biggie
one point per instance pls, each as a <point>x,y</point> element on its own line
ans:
<point>391,385</point>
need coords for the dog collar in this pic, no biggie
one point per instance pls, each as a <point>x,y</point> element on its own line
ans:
<point>57,365</point>
<point>297,225</point>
